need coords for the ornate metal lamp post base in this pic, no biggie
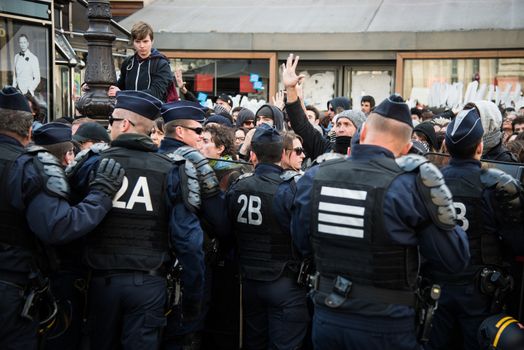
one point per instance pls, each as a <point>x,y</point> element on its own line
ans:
<point>100,70</point>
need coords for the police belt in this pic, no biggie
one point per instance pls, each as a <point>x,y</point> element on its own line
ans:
<point>106,273</point>
<point>369,293</point>
<point>460,279</point>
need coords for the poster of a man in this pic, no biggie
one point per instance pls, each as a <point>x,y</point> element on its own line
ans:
<point>26,73</point>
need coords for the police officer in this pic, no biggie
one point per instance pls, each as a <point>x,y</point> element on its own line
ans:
<point>489,209</point>
<point>365,219</point>
<point>202,196</point>
<point>274,306</point>
<point>128,251</point>
<point>35,212</point>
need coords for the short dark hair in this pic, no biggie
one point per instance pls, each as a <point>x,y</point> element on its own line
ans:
<point>23,36</point>
<point>518,120</point>
<point>222,136</point>
<point>463,152</point>
<point>268,152</point>
<point>18,122</point>
<point>314,110</point>
<point>170,127</point>
<point>368,98</point>
<point>141,30</point>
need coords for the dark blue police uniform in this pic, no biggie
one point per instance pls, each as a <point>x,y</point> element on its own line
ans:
<point>129,252</point>
<point>35,212</point>
<point>274,305</point>
<point>207,203</point>
<point>365,219</point>
<point>470,297</point>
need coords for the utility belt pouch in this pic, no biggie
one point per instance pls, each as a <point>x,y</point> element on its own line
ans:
<point>304,273</point>
<point>341,289</point>
<point>494,283</point>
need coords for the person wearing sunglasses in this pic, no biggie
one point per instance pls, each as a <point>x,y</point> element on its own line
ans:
<point>129,253</point>
<point>293,155</point>
<point>270,293</point>
<point>182,141</point>
<point>245,119</point>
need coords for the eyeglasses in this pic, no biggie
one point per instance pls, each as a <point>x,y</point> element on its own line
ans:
<point>197,130</point>
<point>249,122</point>
<point>112,119</point>
<point>298,150</point>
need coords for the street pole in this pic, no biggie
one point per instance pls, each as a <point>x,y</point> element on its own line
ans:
<point>100,69</point>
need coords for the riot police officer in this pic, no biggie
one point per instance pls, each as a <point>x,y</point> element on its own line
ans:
<point>35,212</point>
<point>274,306</point>
<point>489,209</point>
<point>201,195</point>
<point>128,251</point>
<point>365,219</point>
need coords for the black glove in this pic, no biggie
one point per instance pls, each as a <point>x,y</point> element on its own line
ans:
<point>191,309</point>
<point>108,177</point>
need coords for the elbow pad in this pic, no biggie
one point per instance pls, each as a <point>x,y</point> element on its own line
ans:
<point>51,171</point>
<point>436,196</point>
<point>508,193</point>
<point>209,184</point>
<point>189,183</point>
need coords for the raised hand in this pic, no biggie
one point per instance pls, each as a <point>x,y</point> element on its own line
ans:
<point>289,75</point>
<point>278,100</point>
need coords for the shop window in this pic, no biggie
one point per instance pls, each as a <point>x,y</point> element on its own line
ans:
<point>455,81</point>
<point>208,78</point>
<point>24,58</point>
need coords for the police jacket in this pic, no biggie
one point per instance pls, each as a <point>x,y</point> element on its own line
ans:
<point>151,75</point>
<point>265,250</point>
<point>36,209</point>
<point>184,235</point>
<point>478,213</point>
<point>398,206</point>
<point>213,209</point>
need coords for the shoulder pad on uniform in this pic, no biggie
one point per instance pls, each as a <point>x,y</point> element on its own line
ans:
<point>246,175</point>
<point>34,149</point>
<point>84,155</point>
<point>291,174</point>
<point>508,194</point>
<point>490,177</point>
<point>209,183</point>
<point>55,182</point>
<point>287,175</point>
<point>436,196</point>
<point>190,186</point>
<point>175,157</point>
<point>410,162</point>
<point>327,156</point>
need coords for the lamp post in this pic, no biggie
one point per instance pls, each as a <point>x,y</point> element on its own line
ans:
<point>100,70</point>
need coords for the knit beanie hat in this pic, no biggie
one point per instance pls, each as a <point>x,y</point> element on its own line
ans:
<point>491,119</point>
<point>356,117</point>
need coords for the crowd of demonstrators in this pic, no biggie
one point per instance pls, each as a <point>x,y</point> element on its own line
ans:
<point>217,213</point>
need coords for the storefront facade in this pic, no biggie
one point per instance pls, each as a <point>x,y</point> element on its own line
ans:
<point>43,52</point>
<point>351,49</point>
